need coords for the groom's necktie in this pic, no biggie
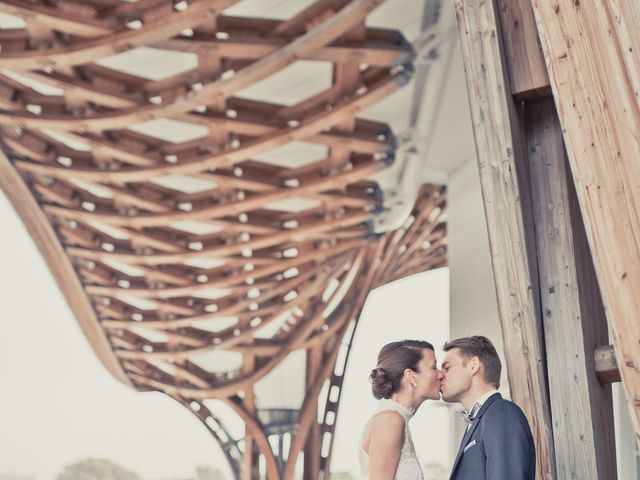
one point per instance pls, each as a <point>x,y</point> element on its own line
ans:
<point>472,414</point>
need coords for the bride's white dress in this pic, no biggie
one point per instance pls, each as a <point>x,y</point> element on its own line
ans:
<point>409,466</point>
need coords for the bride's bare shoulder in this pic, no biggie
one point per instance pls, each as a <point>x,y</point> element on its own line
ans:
<point>387,421</point>
<point>387,417</point>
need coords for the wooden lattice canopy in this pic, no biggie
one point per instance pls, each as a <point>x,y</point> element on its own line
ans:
<point>201,232</point>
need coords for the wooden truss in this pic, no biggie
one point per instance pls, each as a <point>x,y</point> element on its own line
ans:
<point>171,249</point>
<point>553,88</point>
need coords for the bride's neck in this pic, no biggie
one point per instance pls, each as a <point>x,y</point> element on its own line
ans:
<point>406,400</point>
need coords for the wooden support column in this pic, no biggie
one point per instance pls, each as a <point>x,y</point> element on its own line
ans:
<point>314,439</point>
<point>591,50</point>
<point>251,453</point>
<point>509,218</point>
<point>573,314</point>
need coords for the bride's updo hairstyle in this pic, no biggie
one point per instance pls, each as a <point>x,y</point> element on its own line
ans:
<point>393,360</point>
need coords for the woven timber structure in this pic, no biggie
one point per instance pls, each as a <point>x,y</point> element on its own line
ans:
<point>194,258</point>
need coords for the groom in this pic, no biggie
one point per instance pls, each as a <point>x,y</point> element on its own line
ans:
<point>497,444</point>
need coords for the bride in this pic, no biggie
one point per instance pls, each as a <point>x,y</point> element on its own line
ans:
<point>406,376</point>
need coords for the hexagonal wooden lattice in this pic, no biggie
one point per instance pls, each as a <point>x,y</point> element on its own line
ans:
<point>205,215</point>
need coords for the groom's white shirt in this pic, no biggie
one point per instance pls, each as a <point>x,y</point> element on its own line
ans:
<point>480,401</point>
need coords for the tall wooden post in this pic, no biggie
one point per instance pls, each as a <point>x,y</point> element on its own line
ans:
<point>573,315</point>
<point>503,177</point>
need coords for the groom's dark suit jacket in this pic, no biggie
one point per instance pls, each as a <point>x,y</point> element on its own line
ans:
<point>497,446</point>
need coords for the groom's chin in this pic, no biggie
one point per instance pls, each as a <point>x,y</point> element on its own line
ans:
<point>446,398</point>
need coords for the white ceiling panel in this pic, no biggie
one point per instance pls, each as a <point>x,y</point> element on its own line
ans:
<point>150,63</point>
<point>184,183</point>
<point>40,87</point>
<point>292,205</point>
<point>294,154</point>
<point>169,130</point>
<point>403,15</point>
<point>205,263</point>
<point>273,9</point>
<point>216,324</point>
<point>9,22</point>
<point>196,228</point>
<point>293,84</point>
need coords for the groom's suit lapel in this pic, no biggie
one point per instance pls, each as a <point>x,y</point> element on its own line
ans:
<point>474,424</point>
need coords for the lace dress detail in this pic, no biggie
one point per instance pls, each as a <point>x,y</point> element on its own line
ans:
<point>408,466</point>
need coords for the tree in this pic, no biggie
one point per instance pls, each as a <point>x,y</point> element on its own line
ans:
<point>96,469</point>
<point>204,472</point>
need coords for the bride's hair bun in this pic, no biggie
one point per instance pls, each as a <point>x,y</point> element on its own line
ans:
<point>381,384</point>
<point>393,360</point>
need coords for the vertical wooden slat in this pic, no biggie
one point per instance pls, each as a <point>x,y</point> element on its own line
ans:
<point>596,334</point>
<point>591,49</point>
<point>250,456</point>
<point>500,157</point>
<point>569,298</point>
<point>313,444</point>
<point>524,59</point>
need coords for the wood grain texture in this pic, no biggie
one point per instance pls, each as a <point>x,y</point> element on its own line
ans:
<point>525,62</point>
<point>591,50</point>
<point>582,412</point>
<point>502,165</point>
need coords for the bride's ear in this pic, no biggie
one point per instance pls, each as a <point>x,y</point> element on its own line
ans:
<point>410,375</point>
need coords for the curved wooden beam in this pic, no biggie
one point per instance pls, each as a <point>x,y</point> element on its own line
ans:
<point>45,239</point>
<point>218,244</point>
<point>198,12</point>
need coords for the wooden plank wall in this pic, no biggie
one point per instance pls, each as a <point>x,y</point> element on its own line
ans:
<point>591,49</point>
<point>547,287</point>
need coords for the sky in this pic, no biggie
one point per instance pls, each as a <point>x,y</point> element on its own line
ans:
<point>58,404</point>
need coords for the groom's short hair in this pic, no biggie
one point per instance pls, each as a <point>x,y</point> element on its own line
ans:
<point>481,347</point>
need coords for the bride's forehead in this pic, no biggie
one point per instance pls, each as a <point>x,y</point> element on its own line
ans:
<point>428,355</point>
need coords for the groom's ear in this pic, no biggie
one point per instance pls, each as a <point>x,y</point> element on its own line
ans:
<point>474,365</point>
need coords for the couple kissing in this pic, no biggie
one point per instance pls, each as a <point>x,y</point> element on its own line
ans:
<point>497,443</point>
